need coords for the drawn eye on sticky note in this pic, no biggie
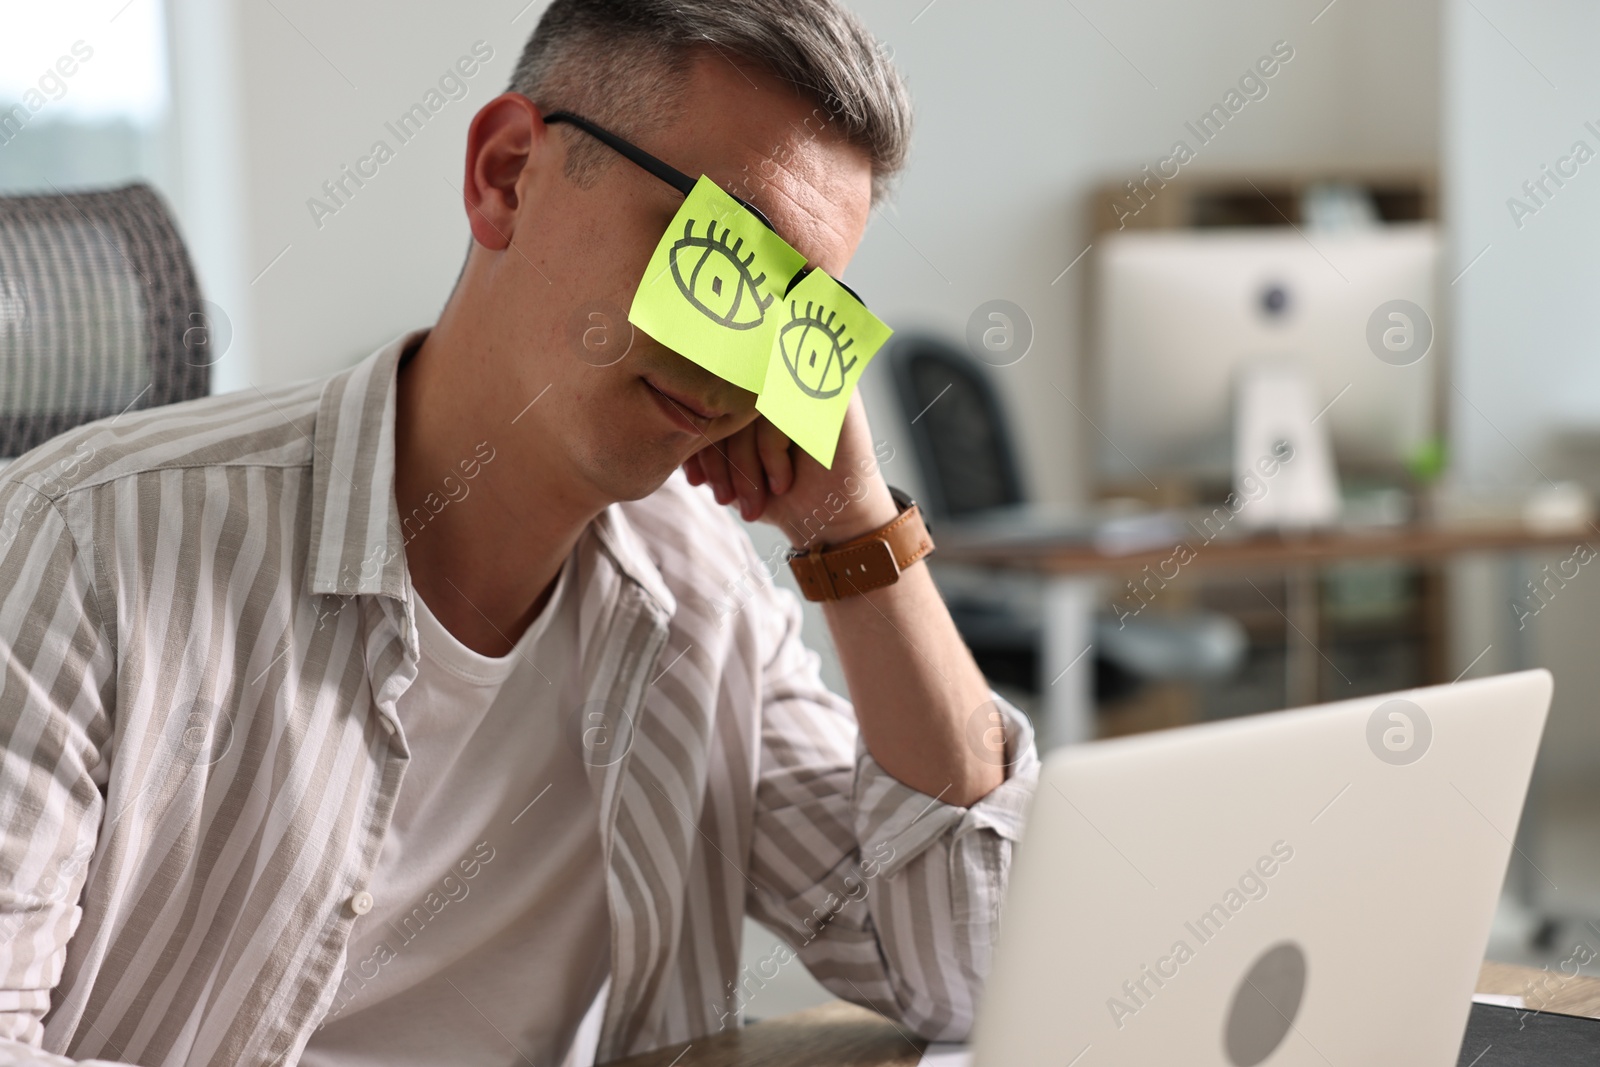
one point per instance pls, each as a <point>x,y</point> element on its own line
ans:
<point>823,340</point>
<point>716,281</point>
<point>814,350</point>
<point>711,284</point>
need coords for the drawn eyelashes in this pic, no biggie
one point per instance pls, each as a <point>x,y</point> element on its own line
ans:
<point>814,351</point>
<point>713,278</point>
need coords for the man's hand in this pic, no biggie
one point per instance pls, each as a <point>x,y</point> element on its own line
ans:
<point>780,484</point>
<point>915,686</point>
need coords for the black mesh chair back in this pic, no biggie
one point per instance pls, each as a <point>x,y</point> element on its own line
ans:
<point>957,425</point>
<point>100,312</point>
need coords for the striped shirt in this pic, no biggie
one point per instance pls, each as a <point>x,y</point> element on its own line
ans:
<point>205,622</point>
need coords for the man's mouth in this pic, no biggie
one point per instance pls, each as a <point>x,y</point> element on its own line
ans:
<point>695,411</point>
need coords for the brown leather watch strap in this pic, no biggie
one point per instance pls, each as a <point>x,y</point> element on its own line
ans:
<point>871,561</point>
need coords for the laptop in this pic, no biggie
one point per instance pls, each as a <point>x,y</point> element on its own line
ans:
<point>1309,887</point>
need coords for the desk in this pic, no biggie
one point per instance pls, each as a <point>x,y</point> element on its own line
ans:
<point>1071,571</point>
<point>843,1035</point>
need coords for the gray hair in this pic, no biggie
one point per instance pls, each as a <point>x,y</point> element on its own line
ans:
<point>625,65</point>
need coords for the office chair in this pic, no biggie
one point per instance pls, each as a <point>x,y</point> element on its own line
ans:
<point>969,471</point>
<point>99,312</point>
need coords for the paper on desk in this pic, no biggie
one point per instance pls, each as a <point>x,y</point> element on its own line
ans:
<point>1504,1000</point>
<point>946,1054</point>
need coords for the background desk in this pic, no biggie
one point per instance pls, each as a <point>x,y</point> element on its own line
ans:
<point>843,1035</point>
<point>1072,572</point>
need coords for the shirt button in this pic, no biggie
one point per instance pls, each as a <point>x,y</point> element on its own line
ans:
<point>361,903</point>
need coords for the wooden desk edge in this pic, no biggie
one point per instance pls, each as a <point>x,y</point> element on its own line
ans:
<point>844,1035</point>
<point>1260,551</point>
<point>838,1034</point>
<point>1542,990</point>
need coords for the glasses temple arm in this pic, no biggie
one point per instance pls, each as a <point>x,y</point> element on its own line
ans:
<point>671,175</point>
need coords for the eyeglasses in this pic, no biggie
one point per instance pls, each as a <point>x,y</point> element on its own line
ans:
<point>669,174</point>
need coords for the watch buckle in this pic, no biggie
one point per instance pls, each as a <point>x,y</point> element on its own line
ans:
<point>820,569</point>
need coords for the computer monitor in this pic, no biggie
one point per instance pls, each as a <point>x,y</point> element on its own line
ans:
<point>1177,314</point>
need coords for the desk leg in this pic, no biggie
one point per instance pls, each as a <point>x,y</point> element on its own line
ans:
<point>1066,680</point>
<point>1302,657</point>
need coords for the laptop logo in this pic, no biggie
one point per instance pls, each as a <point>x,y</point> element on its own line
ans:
<point>1265,1005</point>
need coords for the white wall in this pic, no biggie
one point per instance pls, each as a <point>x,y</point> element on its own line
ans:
<point>277,98</point>
<point>1021,107</point>
<point>1519,86</point>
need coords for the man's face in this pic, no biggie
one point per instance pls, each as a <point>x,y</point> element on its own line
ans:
<point>623,428</point>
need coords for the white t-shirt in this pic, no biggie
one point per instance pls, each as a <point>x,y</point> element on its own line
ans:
<point>487,925</point>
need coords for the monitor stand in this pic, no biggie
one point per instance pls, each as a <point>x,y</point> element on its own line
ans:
<point>1283,471</point>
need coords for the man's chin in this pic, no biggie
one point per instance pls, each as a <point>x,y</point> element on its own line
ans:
<point>633,478</point>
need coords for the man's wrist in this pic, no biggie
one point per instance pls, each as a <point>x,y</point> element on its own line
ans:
<point>872,510</point>
<point>871,559</point>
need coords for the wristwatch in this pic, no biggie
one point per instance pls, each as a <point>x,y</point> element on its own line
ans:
<point>871,561</point>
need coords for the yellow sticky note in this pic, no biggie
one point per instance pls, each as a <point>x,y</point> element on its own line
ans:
<point>824,339</point>
<point>712,285</point>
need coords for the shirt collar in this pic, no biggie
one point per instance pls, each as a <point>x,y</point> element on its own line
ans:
<point>630,552</point>
<point>356,541</point>
<point>357,544</point>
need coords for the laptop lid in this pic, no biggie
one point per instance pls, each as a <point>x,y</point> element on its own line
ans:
<point>1309,887</point>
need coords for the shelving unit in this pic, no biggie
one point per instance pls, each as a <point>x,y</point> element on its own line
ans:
<point>1265,199</point>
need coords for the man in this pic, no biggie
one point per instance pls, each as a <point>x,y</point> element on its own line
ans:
<point>405,716</point>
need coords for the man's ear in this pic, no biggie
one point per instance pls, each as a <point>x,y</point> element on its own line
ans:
<point>506,136</point>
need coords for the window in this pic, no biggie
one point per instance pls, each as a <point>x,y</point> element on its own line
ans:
<point>83,95</point>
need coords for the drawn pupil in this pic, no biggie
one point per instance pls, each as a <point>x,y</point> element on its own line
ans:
<point>744,307</point>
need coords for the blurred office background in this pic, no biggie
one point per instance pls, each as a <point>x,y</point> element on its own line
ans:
<point>1384,123</point>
